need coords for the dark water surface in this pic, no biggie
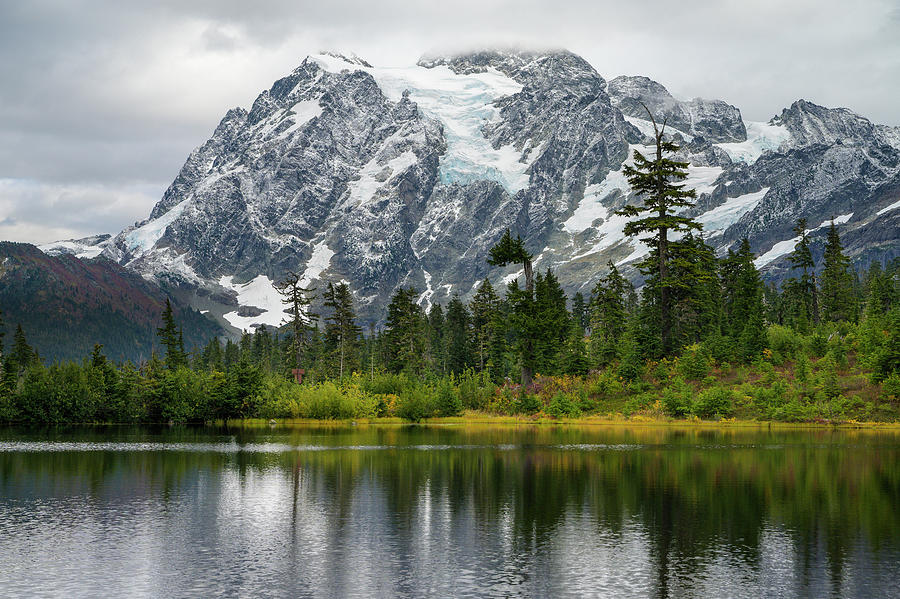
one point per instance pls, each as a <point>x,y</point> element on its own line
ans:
<point>467,511</point>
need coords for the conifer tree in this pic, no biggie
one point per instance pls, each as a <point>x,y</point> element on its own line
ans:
<point>437,350</point>
<point>485,306</point>
<point>458,337</point>
<point>300,319</point>
<point>171,338</point>
<point>609,316</point>
<point>404,332</point>
<point>803,291</point>
<point>551,322</point>
<point>580,313</point>
<point>656,182</point>
<point>512,251</point>
<point>743,319</point>
<point>838,297</point>
<point>341,331</point>
<point>232,354</point>
<point>211,357</point>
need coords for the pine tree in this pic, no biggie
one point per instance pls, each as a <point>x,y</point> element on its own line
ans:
<point>838,297</point>
<point>171,338</point>
<point>458,336</point>
<point>341,331</point>
<point>21,355</point>
<point>211,357</point>
<point>743,319</point>
<point>656,182</point>
<point>512,251</point>
<point>300,320</point>
<point>580,313</point>
<point>485,306</point>
<point>803,290</point>
<point>437,349</point>
<point>609,316</point>
<point>404,334</point>
<point>551,323</point>
<point>232,354</point>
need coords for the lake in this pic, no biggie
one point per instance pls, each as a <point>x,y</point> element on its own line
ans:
<point>449,511</point>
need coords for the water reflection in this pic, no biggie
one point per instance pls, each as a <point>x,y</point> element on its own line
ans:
<point>467,511</point>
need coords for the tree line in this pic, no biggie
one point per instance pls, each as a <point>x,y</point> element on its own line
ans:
<point>694,308</point>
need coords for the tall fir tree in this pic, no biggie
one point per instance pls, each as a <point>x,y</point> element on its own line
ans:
<point>551,323</point>
<point>743,310</point>
<point>171,338</point>
<point>404,332</point>
<point>609,316</point>
<point>300,319</point>
<point>521,301</point>
<point>485,307</point>
<point>803,294</point>
<point>656,181</point>
<point>838,296</point>
<point>437,348</point>
<point>458,338</point>
<point>341,331</point>
<point>580,313</point>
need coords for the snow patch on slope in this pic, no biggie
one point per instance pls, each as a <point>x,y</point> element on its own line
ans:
<point>893,206</point>
<point>304,111</point>
<point>259,293</point>
<point>80,248</point>
<point>463,104</point>
<point>374,175</point>
<point>702,178</point>
<point>721,217</point>
<point>783,248</point>
<point>761,137</point>
<point>318,263</point>
<point>142,239</point>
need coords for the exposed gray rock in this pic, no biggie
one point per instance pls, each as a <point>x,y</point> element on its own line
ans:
<point>388,178</point>
<point>714,120</point>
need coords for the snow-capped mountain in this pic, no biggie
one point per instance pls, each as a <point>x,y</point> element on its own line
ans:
<point>406,176</point>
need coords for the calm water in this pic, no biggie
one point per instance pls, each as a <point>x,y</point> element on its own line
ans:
<point>449,512</point>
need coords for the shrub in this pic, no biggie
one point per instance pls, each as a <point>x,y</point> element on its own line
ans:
<point>562,406</point>
<point>783,342</point>
<point>802,368</point>
<point>447,399</point>
<point>694,362</point>
<point>890,388</point>
<point>713,402</point>
<point>415,405</point>
<point>527,403</point>
<point>676,398</point>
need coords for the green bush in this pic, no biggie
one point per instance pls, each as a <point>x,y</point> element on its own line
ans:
<point>783,342</point>
<point>527,403</point>
<point>890,388</point>
<point>562,406</point>
<point>717,401</point>
<point>415,404</point>
<point>448,402</point>
<point>694,362</point>
<point>676,399</point>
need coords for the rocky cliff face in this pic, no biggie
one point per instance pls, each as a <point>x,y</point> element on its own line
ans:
<point>406,176</point>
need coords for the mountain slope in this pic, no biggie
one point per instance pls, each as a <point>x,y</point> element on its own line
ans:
<point>66,304</point>
<point>406,176</point>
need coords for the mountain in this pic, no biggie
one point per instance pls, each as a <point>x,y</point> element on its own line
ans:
<point>390,177</point>
<point>65,304</point>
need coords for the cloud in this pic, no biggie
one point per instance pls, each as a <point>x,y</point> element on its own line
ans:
<point>41,212</point>
<point>112,96</point>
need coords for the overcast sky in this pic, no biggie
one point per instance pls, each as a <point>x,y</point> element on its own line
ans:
<point>101,101</point>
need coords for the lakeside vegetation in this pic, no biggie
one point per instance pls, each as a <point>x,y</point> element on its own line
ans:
<point>704,338</point>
